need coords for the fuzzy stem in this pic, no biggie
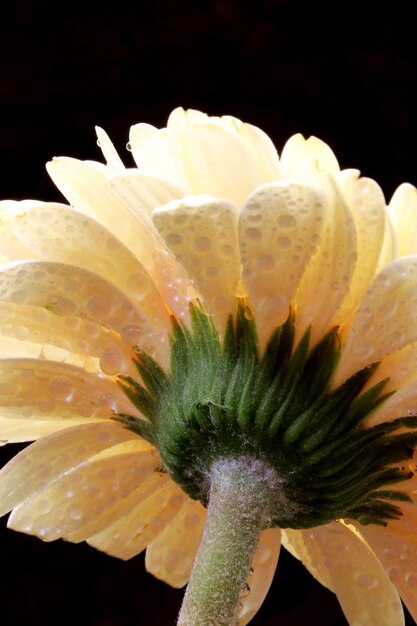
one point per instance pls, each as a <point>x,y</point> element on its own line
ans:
<point>239,509</point>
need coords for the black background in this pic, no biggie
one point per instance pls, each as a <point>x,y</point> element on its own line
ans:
<point>334,70</point>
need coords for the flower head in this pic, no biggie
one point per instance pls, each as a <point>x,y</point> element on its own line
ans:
<point>217,302</point>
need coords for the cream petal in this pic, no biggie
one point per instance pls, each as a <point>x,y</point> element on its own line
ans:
<point>144,192</point>
<point>150,150</point>
<point>130,534</point>
<point>114,162</point>
<point>119,509</point>
<point>298,149</point>
<point>11,249</point>
<point>279,228</point>
<point>362,586</point>
<point>36,389</point>
<point>67,290</point>
<point>399,367</point>
<point>303,546</point>
<point>385,320</point>
<point>10,347</point>
<point>327,278</point>
<point>233,176</point>
<point>263,565</point>
<point>402,403</point>
<point>68,339</point>
<point>42,462</point>
<point>186,152</point>
<point>389,250</point>
<point>84,492</point>
<point>170,556</point>
<point>403,211</point>
<point>89,191</point>
<point>397,552</point>
<point>263,151</point>
<point>366,203</point>
<point>202,233</point>
<point>23,430</point>
<point>55,232</point>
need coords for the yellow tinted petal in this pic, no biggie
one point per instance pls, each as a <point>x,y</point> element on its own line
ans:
<point>303,546</point>
<point>397,552</point>
<point>144,192</point>
<point>43,461</point>
<point>37,389</point>
<point>361,584</point>
<point>68,339</point>
<point>385,320</point>
<point>23,430</point>
<point>104,142</point>
<point>403,211</point>
<point>263,565</point>
<point>298,149</point>
<point>130,534</point>
<point>55,232</point>
<point>279,228</point>
<point>202,233</point>
<point>67,290</point>
<point>84,492</point>
<point>366,204</point>
<point>170,556</point>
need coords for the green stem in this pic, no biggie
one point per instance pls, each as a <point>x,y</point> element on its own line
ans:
<point>239,509</point>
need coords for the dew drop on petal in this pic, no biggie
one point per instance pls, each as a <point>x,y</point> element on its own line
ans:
<point>253,234</point>
<point>60,389</point>
<point>365,581</point>
<point>138,283</point>
<point>175,562</point>
<point>112,362</point>
<point>99,307</point>
<point>287,221</point>
<point>283,243</point>
<point>363,350</point>
<point>192,521</point>
<point>203,245</point>
<point>275,309</point>
<point>265,263</point>
<point>262,554</point>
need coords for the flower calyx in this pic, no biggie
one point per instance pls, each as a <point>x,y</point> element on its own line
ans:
<point>223,399</point>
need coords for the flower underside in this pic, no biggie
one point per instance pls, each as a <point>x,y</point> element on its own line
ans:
<point>222,399</point>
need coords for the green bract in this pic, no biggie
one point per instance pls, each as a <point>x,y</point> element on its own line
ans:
<point>222,399</point>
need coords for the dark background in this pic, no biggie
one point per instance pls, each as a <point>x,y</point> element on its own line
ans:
<point>324,69</point>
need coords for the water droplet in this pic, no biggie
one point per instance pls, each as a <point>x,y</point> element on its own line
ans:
<point>61,389</point>
<point>74,513</point>
<point>129,146</point>
<point>362,350</point>
<point>202,245</point>
<point>174,239</point>
<point>112,362</point>
<point>283,243</point>
<point>253,234</point>
<point>176,562</point>
<point>192,521</point>
<point>287,221</point>
<point>245,591</point>
<point>365,580</point>
<point>265,262</point>
<point>99,307</point>
<point>411,579</point>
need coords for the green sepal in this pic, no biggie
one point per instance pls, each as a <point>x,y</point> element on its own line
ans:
<point>226,399</point>
<point>141,427</point>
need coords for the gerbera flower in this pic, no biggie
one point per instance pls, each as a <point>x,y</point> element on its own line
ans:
<point>218,329</point>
